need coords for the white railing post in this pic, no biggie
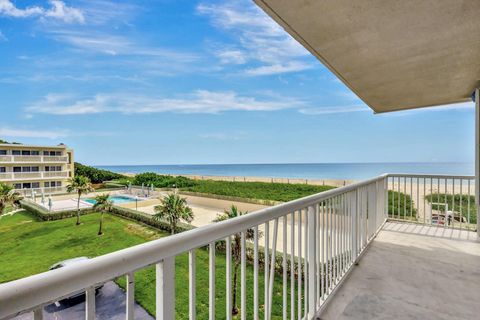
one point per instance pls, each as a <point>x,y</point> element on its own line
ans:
<point>90,304</point>
<point>311,260</point>
<point>165,295</point>
<point>38,313</point>
<point>477,157</point>
<point>355,226</point>
<point>130,299</point>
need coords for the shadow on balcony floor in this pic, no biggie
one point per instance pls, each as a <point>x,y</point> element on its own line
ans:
<point>408,274</point>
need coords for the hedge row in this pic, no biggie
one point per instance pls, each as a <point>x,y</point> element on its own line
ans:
<point>148,219</point>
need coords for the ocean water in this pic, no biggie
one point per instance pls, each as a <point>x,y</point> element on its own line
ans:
<point>347,171</point>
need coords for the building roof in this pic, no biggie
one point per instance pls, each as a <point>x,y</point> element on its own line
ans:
<point>23,146</point>
<point>394,55</point>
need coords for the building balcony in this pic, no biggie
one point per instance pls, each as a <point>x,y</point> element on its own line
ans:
<point>389,246</point>
<point>41,175</point>
<point>33,159</point>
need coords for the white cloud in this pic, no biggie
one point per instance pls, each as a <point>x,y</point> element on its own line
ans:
<point>2,37</point>
<point>200,101</point>
<point>7,8</point>
<point>232,56</point>
<point>118,45</point>
<point>58,10</point>
<point>19,133</point>
<point>334,110</point>
<point>262,41</point>
<point>278,68</point>
<point>62,12</point>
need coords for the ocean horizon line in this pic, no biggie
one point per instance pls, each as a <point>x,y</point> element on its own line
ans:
<point>284,163</point>
<point>322,171</point>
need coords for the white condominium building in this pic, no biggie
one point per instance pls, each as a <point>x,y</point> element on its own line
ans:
<point>39,169</point>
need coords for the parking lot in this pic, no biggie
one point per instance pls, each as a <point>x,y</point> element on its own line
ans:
<point>110,305</point>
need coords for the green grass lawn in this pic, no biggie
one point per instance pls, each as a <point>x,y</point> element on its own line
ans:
<point>28,246</point>
<point>257,190</point>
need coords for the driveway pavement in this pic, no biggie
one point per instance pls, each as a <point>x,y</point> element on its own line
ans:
<point>110,305</point>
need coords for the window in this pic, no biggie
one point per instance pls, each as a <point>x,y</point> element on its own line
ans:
<point>45,153</point>
<point>27,185</point>
<point>46,184</point>
<point>58,153</point>
<point>17,169</point>
<point>47,168</point>
<point>3,169</point>
<point>35,169</point>
<point>36,185</point>
<point>59,183</point>
<point>26,169</point>
<point>52,184</point>
<point>52,153</point>
<point>25,152</point>
<point>3,152</point>
<point>16,152</point>
<point>17,186</point>
<point>35,153</point>
<point>59,168</point>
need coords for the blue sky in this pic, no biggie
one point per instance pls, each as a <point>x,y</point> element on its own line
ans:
<point>191,82</point>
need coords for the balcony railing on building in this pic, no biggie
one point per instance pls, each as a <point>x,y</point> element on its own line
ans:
<point>308,246</point>
<point>10,176</point>
<point>33,159</point>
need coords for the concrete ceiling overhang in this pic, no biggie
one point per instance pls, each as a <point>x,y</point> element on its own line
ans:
<point>394,54</point>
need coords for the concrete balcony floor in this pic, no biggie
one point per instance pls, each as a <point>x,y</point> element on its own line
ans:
<point>413,272</point>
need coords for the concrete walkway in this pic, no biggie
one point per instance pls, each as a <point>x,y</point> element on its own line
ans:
<point>406,274</point>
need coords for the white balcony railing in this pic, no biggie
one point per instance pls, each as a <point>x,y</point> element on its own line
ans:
<point>33,175</point>
<point>321,236</point>
<point>33,159</point>
<point>438,200</point>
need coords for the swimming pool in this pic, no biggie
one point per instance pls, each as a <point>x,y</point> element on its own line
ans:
<point>115,199</point>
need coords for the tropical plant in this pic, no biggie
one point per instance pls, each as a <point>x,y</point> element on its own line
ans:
<point>162,181</point>
<point>174,209</point>
<point>7,196</point>
<point>80,185</point>
<point>236,248</point>
<point>96,175</point>
<point>102,204</point>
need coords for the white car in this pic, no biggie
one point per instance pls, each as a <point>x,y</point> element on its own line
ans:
<point>70,262</point>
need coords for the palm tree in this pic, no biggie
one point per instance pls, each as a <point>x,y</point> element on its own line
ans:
<point>7,196</point>
<point>173,209</point>
<point>236,248</point>
<point>80,185</point>
<point>102,204</point>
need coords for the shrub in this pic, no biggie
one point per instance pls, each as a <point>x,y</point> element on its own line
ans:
<point>161,181</point>
<point>401,205</point>
<point>95,175</point>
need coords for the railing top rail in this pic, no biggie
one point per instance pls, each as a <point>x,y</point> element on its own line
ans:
<point>16,296</point>
<point>435,176</point>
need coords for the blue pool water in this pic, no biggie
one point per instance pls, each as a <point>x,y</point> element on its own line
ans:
<point>115,199</point>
